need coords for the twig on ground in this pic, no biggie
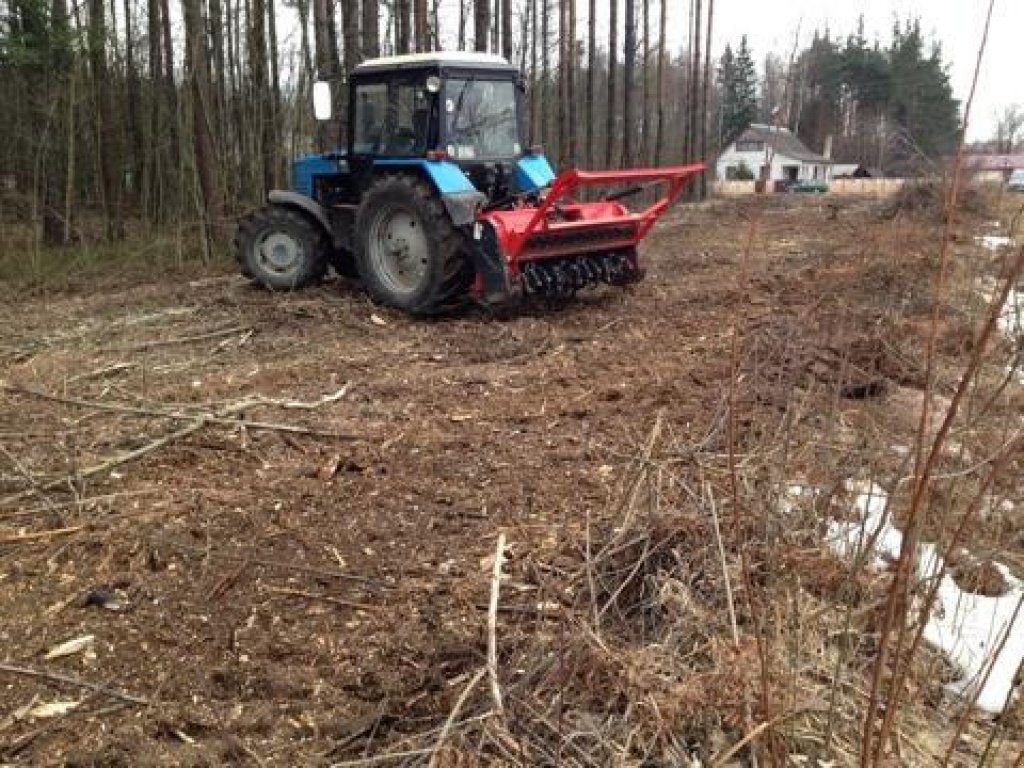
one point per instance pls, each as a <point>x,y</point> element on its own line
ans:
<point>383,758</point>
<point>35,535</point>
<point>492,624</point>
<point>60,678</point>
<point>275,564</point>
<point>725,566</point>
<point>183,339</point>
<point>752,734</point>
<point>303,405</point>
<point>103,371</point>
<point>29,477</point>
<point>180,416</point>
<point>322,598</point>
<point>435,753</point>
<point>105,466</point>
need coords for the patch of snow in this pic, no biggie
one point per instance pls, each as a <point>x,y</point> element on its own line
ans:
<point>994,242</point>
<point>966,627</point>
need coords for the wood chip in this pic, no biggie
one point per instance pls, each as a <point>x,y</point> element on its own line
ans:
<point>70,647</point>
<point>51,709</point>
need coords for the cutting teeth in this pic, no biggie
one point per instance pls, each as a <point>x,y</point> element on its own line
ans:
<point>561,278</point>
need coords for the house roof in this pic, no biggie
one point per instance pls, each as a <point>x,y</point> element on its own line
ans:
<point>993,162</point>
<point>783,142</point>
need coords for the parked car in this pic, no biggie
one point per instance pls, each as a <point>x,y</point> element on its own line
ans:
<point>809,187</point>
<point>1016,182</point>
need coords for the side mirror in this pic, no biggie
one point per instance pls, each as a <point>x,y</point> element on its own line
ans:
<point>322,100</point>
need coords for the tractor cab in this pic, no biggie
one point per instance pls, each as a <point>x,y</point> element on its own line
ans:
<point>463,108</point>
<point>459,108</point>
<point>434,197</point>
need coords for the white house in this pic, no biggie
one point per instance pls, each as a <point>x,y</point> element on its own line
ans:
<point>762,145</point>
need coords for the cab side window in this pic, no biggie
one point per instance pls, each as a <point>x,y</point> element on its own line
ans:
<point>371,107</point>
<point>392,119</point>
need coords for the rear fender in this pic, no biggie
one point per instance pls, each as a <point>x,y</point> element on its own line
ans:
<point>458,195</point>
<point>305,204</point>
<point>336,222</point>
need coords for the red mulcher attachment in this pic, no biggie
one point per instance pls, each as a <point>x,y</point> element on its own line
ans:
<point>559,245</point>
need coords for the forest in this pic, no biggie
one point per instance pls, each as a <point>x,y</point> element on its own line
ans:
<point>160,116</point>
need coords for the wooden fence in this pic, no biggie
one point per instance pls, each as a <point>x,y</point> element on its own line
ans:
<point>838,187</point>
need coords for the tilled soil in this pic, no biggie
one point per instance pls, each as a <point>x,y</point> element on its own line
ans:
<point>308,588</point>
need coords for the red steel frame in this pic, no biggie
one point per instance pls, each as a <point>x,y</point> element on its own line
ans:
<point>675,178</point>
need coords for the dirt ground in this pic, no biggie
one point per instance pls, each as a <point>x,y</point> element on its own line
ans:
<point>294,568</point>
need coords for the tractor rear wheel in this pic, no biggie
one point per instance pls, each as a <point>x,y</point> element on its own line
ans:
<point>408,253</point>
<point>281,248</point>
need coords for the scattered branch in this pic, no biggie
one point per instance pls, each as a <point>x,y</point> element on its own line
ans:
<point>57,677</point>
<point>492,623</point>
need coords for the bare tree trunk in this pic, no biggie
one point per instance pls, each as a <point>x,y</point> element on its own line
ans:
<point>419,12</point>
<point>106,133</point>
<point>275,132</point>
<point>371,29</point>
<point>591,152</point>
<point>481,24</point>
<point>702,154</point>
<point>534,82</point>
<point>506,29</point>
<point>58,174</point>
<point>462,24</point>
<point>524,37</point>
<point>563,85</point>
<point>403,42</point>
<point>610,159</point>
<point>628,81</point>
<point>435,25</point>
<point>232,103</point>
<point>302,6</point>
<point>326,58</point>
<point>350,32</point>
<point>321,39</point>
<point>151,172</point>
<point>659,137</point>
<point>570,69</point>
<point>134,108</point>
<point>258,68</point>
<point>217,77</point>
<point>545,106</point>
<point>171,91</point>
<point>693,128</point>
<point>197,55</point>
<point>645,136</point>
<point>687,106</point>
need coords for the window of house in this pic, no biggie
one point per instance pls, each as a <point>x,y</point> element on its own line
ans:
<point>732,173</point>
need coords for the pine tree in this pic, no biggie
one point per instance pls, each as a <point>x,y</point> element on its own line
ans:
<point>746,87</point>
<point>737,81</point>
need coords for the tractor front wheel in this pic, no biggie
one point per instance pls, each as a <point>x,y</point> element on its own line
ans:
<point>281,248</point>
<point>407,252</point>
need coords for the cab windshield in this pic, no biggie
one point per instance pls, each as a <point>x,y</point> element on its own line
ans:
<point>480,119</point>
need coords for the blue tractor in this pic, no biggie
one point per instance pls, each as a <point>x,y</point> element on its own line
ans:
<point>435,197</point>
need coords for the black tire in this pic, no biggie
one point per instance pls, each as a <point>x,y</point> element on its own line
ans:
<point>281,248</point>
<point>426,271</point>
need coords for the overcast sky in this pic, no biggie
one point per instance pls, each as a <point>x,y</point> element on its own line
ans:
<point>956,24</point>
<point>771,26</point>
